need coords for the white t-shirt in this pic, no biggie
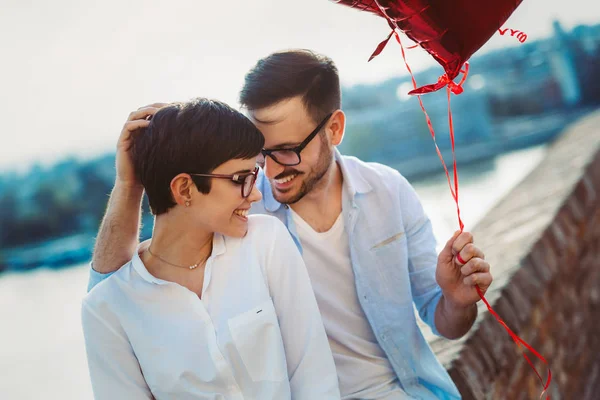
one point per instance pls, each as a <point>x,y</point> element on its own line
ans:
<point>364,371</point>
<point>255,334</point>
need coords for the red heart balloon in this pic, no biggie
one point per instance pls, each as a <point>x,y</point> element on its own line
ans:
<point>450,30</point>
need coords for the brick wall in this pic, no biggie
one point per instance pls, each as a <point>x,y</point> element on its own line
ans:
<point>543,243</point>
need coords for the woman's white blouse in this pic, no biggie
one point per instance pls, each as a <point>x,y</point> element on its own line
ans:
<point>255,334</point>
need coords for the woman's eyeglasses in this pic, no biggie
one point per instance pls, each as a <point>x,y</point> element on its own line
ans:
<point>246,180</point>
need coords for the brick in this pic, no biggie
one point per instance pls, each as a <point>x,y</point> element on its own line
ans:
<point>575,209</point>
<point>520,303</point>
<point>462,381</point>
<point>560,239</point>
<point>593,172</point>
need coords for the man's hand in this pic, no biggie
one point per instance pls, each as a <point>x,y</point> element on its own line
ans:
<point>119,231</point>
<point>462,266</point>
<point>136,121</point>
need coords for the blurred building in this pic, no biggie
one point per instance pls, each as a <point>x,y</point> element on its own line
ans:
<point>562,59</point>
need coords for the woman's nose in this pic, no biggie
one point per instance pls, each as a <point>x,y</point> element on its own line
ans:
<point>255,195</point>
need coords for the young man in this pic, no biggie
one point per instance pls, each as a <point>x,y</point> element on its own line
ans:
<point>367,244</point>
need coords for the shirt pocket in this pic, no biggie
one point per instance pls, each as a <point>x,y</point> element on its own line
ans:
<point>389,242</point>
<point>388,263</point>
<point>257,338</point>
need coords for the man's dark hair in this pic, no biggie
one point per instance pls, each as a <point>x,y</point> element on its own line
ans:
<point>292,73</point>
<point>191,137</point>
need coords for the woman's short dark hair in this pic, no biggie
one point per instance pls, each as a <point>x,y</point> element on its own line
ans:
<point>192,137</point>
<point>292,73</point>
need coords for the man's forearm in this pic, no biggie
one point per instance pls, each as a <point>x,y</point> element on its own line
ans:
<point>454,322</point>
<point>118,236</point>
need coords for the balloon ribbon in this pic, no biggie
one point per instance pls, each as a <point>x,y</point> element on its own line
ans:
<point>452,87</point>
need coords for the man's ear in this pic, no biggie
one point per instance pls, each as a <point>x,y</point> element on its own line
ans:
<point>336,126</point>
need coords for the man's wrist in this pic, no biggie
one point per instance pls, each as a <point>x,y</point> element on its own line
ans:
<point>454,320</point>
<point>118,235</point>
<point>128,191</point>
<point>452,309</point>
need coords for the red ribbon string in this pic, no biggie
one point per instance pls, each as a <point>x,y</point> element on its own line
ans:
<point>452,87</point>
<point>453,189</point>
<point>520,342</point>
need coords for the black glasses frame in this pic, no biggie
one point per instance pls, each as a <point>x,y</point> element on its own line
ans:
<point>297,149</point>
<point>237,178</point>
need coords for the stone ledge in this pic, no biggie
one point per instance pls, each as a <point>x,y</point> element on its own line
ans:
<point>535,240</point>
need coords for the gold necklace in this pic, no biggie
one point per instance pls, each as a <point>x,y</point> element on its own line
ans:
<point>175,265</point>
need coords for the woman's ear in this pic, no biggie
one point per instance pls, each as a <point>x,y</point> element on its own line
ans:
<point>181,189</point>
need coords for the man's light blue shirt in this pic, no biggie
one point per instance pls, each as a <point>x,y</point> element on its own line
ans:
<point>393,255</point>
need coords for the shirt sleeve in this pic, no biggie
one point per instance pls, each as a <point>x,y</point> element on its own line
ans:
<point>422,255</point>
<point>96,277</point>
<point>310,364</point>
<point>114,369</point>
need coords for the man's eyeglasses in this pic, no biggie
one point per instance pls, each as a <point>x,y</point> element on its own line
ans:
<point>290,157</point>
<point>246,180</point>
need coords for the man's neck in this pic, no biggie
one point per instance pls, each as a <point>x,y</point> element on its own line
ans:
<point>321,207</point>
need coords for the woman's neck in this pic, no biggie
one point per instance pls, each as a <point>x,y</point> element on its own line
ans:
<point>177,245</point>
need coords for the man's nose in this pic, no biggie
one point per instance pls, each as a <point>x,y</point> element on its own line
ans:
<point>272,169</point>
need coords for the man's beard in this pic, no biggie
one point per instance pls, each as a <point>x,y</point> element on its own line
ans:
<point>312,179</point>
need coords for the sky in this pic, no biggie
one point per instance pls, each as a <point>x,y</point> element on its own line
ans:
<point>71,70</point>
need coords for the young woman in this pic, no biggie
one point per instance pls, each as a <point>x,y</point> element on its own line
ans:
<point>219,305</point>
